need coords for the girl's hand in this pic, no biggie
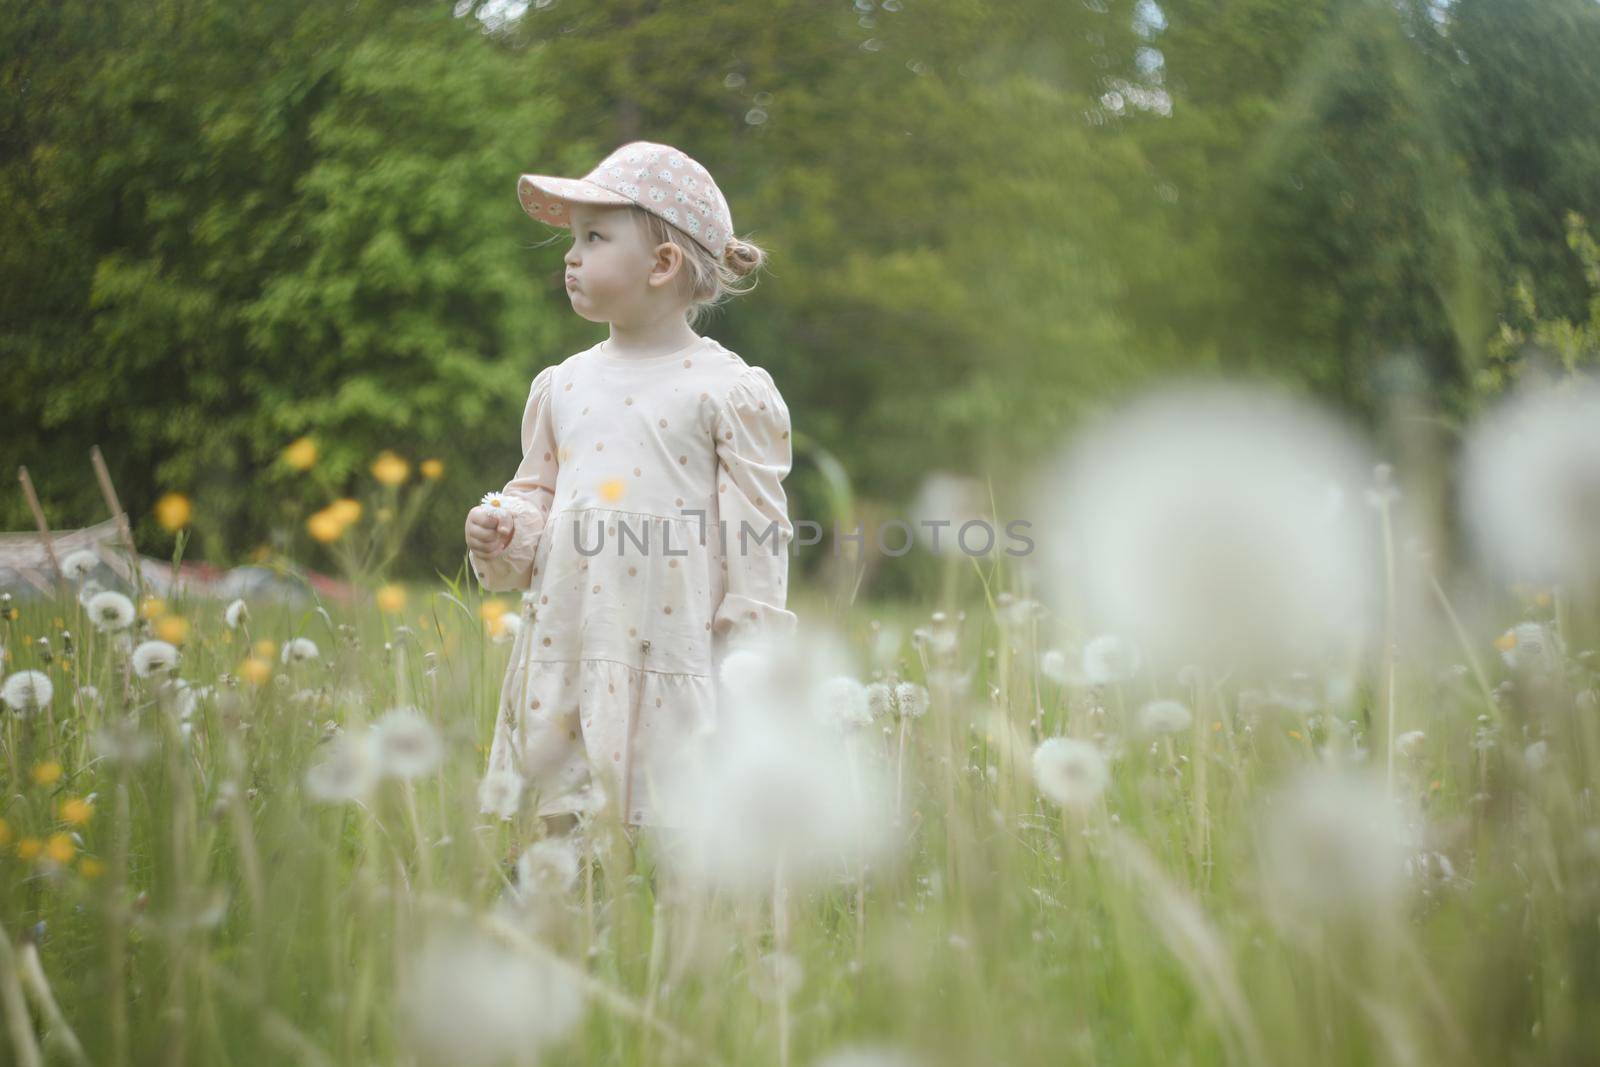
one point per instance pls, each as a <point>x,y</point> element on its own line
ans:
<point>487,534</point>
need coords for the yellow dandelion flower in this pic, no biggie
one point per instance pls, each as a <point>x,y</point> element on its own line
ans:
<point>390,469</point>
<point>261,553</point>
<point>47,773</point>
<point>1295,734</point>
<point>324,526</point>
<point>61,848</point>
<point>172,628</point>
<point>392,599</point>
<point>90,867</point>
<point>76,811</point>
<point>1542,599</point>
<point>5,832</point>
<point>152,607</point>
<point>255,670</point>
<point>1434,785</point>
<point>173,511</point>
<point>1216,726</point>
<point>29,848</point>
<point>611,490</point>
<point>491,609</point>
<point>266,648</point>
<point>1506,641</point>
<point>431,469</point>
<point>301,454</point>
<point>346,510</point>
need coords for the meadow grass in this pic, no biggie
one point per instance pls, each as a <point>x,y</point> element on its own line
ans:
<point>206,909</point>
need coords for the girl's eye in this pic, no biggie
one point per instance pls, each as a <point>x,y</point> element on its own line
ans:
<point>594,233</point>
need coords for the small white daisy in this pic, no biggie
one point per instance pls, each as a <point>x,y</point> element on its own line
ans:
<point>494,502</point>
<point>27,691</point>
<point>110,610</point>
<point>500,794</point>
<point>299,650</point>
<point>407,744</point>
<point>1070,772</point>
<point>236,614</point>
<point>79,565</point>
<point>154,657</point>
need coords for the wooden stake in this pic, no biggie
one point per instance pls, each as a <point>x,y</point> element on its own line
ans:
<point>109,491</point>
<point>44,527</point>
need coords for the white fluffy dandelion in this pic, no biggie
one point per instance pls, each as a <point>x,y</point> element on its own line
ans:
<point>1053,664</point>
<point>407,744</point>
<point>1409,743</point>
<point>1165,717</point>
<point>27,691</point>
<point>845,703</point>
<point>87,697</point>
<point>510,626</point>
<point>121,741</point>
<point>1333,847</point>
<point>236,614</point>
<point>1195,524</point>
<point>1531,484</point>
<point>109,610</point>
<point>1109,659</point>
<point>79,565</point>
<point>1531,647</point>
<point>471,1001</point>
<point>773,784</point>
<point>911,699</point>
<point>154,657</point>
<point>549,865</point>
<point>880,700</point>
<point>347,769</point>
<point>500,794</point>
<point>299,650</point>
<point>1071,772</point>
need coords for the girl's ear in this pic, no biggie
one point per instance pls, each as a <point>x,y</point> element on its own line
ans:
<point>668,263</point>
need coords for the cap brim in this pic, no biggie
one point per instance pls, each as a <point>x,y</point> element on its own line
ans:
<point>545,197</point>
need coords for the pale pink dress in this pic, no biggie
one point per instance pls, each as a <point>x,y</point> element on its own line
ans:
<point>614,665</point>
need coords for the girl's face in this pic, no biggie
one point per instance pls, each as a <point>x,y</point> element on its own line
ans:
<point>612,276</point>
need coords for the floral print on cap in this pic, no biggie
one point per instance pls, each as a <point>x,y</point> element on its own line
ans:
<point>656,177</point>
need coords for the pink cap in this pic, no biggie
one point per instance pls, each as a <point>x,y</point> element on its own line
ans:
<point>656,177</point>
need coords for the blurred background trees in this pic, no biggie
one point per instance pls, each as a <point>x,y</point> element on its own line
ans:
<point>230,226</point>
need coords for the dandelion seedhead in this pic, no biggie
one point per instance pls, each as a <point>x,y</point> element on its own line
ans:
<point>1070,772</point>
<point>1197,525</point>
<point>26,692</point>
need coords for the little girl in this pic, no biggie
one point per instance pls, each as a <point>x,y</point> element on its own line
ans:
<point>646,525</point>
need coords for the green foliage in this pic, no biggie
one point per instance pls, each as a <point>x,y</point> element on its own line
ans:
<point>228,226</point>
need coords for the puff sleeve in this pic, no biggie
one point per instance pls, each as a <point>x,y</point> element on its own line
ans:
<point>753,456</point>
<point>528,496</point>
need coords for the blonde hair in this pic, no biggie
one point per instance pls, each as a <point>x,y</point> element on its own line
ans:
<point>710,282</point>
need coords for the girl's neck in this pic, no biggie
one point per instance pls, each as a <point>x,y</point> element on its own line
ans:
<point>659,339</point>
<point>606,352</point>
